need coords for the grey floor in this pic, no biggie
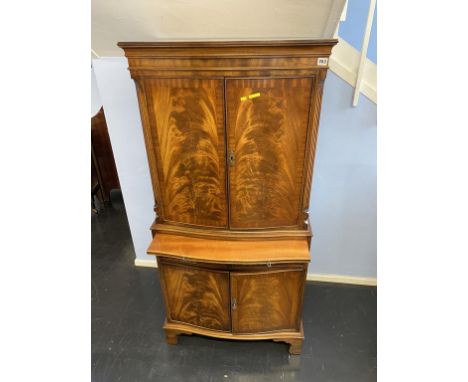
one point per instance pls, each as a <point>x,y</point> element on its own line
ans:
<point>128,342</point>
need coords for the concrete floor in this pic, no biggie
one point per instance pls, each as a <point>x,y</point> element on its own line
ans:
<point>128,343</point>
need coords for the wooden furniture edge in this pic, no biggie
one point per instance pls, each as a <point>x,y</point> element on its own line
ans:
<point>295,250</point>
<point>226,234</point>
<point>294,339</point>
<point>225,43</point>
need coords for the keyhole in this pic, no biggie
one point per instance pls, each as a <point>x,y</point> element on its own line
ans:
<point>231,158</point>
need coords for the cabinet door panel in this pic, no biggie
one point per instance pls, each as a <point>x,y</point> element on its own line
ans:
<point>267,135</point>
<point>197,296</point>
<point>187,127</point>
<point>266,301</point>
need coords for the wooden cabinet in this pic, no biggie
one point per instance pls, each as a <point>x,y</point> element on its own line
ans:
<point>230,130</point>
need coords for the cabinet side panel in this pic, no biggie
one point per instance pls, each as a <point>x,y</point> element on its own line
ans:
<point>187,125</point>
<point>267,301</point>
<point>197,296</point>
<point>267,128</point>
<point>314,119</point>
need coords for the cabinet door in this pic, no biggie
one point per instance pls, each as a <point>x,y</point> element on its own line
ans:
<point>266,301</point>
<point>267,129</point>
<point>196,296</point>
<point>187,129</point>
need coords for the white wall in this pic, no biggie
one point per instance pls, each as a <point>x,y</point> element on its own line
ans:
<point>118,95</point>
<point>95,98</point>
<point>143,20</point>
<point>343,204</point>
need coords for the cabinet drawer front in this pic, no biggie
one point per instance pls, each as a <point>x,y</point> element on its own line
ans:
<point>267,121</point>
<point>186,118</point>
<point>196,296</point>
<point>266,301</point>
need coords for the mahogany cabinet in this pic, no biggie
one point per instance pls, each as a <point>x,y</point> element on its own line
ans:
<point>230,130</point>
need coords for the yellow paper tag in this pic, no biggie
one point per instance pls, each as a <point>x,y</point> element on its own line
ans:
<point>251,96</point>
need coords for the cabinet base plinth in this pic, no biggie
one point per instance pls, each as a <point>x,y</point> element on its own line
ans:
<point>294,339</point>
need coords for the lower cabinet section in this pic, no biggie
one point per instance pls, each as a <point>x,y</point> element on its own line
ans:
<point>245,302</point>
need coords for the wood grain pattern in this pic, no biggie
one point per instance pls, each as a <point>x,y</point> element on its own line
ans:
<point>230,251</point>
<point>196,296</point>
<point>267,135</point>
<point>266,301</point>
<point>188,119</point>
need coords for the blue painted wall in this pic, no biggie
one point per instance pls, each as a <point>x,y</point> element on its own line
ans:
<point>344,197</point>
<point>352,29</point>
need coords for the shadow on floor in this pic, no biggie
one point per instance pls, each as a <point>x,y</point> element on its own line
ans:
<point>128,343</point>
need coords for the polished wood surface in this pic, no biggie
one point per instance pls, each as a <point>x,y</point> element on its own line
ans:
<point>232,234</point>
<point>294,339</point>
<point>267,136</point>
<point>188,119</point>
<point>230,251</point>
<point>197,296</point>
<point>266,301</point>
<point>230,130</point>
<point>103,156</point>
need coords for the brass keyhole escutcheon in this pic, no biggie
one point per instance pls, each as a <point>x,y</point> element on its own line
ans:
<point>231,158</point>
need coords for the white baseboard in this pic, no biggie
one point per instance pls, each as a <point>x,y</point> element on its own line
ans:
<point>341,279</point>
<point>148,263</point>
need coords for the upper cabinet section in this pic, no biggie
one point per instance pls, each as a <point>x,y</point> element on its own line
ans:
<point>230,131</point>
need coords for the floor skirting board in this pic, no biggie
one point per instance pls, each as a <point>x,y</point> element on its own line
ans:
<point>148,263</point>
<point>340,279</point>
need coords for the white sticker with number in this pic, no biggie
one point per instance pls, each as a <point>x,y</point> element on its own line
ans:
<point>322,61</point>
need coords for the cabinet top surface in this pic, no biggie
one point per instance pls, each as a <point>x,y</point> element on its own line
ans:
<point>225,43</point>
<point>230,251</point>
<point>227,48</point>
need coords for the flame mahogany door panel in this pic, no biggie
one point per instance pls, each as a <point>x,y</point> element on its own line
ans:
<point>267,135</point>
<point>197,296</point>
<point>266,301</point>
<point>187,128</point>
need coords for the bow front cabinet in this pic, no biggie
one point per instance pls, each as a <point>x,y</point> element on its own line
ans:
<point>230,130</point>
